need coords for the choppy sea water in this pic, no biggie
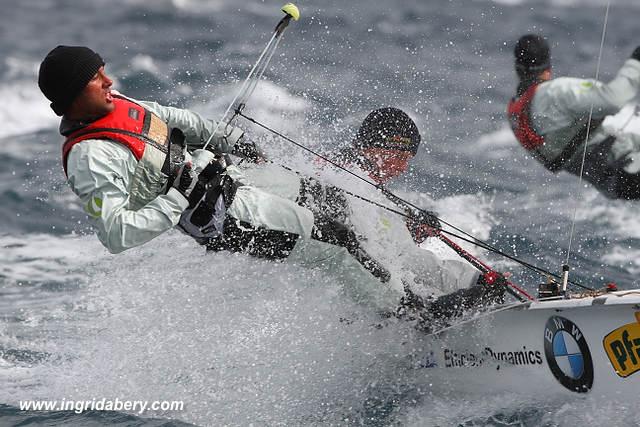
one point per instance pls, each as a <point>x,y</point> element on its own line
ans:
<point>243,341</point>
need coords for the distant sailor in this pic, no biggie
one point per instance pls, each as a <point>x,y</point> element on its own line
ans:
<point>550,117</point>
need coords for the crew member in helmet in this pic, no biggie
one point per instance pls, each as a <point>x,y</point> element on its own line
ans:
<point>550,117</point>
<point>427,284</point>
<point>385,143</point>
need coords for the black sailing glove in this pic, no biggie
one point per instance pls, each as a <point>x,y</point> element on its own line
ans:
<point>248,150</point>
<point>423,224</point>
<point>494,285</point>
<point>328,230</point>
<point>209,178</point>
<point>183,180</point>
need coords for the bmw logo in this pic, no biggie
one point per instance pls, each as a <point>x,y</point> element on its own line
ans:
<point>568,354</point>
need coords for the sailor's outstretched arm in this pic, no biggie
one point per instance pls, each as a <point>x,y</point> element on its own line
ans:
<point>607,98</point>
<point>95,175</point>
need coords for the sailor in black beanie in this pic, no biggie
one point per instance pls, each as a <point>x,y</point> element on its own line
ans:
<point>549,118</point>
<point>384,144</point>
<point>123,158</point>
<point>532,60</point>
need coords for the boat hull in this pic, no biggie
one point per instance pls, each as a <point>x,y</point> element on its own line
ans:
<point>584,346</point>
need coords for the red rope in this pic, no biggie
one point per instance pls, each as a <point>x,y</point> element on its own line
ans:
<point>484,268</point>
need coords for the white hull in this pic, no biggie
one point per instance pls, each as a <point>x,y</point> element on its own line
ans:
<point>585,346</point>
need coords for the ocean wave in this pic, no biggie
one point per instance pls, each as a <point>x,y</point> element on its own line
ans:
<point>24,109</point>
<point>514,409</point>
<point>20,68</point>
<point>215,328</point>
<point>498,145</point>
<point>270,104</point>
<point>623,257</point>
<point>616,218</point>
<point>199,6</point>
<point>40,258</point>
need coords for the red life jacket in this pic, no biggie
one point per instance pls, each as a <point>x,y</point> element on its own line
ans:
<point>520,119</point>
<point>129,124</point>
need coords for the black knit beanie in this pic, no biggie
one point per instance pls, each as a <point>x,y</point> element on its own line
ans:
<point>532,54</point>
<point>388,128</point>
<point>65,72</point>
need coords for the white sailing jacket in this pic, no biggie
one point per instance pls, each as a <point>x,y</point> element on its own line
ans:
<point>384,235</point>
<point>560,107</point>
<point>100,173</point>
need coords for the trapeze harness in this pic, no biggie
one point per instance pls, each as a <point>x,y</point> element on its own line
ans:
<point>519,112</point>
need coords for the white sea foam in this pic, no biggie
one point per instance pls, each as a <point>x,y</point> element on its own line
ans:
<point>144,63</point>
<point>619,218</point>
<point>24,109</point>
<point>459,410</point>
<point>239,339</point>
<point>47,258</point>
<point>623,257</point>
<point>271,104</point>
<point>200,6</point>
<point>203,6</point>
<point>500,144</point>
<point>20,68</point>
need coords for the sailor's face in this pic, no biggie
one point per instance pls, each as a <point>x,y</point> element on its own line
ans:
<point>386,163</point>
<point>95,100</point>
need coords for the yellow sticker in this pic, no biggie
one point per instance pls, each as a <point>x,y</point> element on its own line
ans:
<point>623,349</point>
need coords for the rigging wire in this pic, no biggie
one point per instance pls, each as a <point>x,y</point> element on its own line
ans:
<point>246,86</point>
<point>257,71</point>
<point>586,139</point>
